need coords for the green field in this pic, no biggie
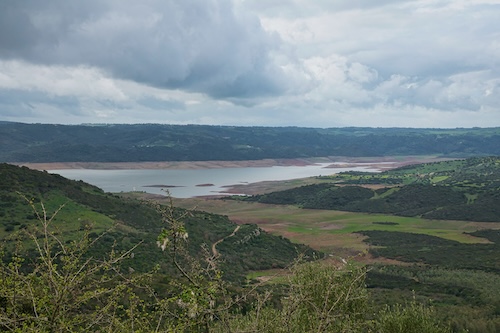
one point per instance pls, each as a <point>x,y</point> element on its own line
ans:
<point>434,261</point>
<point>328,230</point>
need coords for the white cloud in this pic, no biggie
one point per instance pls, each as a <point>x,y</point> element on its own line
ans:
<point>59,80</point>
<point>432,63</point>
<point>201,46</point>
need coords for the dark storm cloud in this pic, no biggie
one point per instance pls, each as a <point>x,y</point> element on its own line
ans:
<point>195,45</point>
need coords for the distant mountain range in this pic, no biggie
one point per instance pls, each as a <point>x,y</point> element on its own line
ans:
<point>21,142</point>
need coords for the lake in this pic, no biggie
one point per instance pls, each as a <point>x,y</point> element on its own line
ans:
<point>183,183</point>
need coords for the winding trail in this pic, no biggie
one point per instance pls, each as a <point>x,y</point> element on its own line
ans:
<point>214,245</point>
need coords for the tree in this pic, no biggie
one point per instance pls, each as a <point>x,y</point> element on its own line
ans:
<point>49,285</point>
<point>412,318</point>
<point>323,297</point>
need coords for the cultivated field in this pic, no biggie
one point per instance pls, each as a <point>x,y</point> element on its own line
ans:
<point>327,230</point>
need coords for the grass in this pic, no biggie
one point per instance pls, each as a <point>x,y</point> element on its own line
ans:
<point>329,230</point>
<point>386,193</point>
<point>71,220</point>
<point>439,179</point>
<point>270,275</point>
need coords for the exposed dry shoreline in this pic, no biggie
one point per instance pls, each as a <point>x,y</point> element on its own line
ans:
<point>160,165</point>
<point>377,162</point>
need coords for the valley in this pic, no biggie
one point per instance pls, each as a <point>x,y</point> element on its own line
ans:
<point>422,227</point>
<point>451,261</point>
<point>332,231</point>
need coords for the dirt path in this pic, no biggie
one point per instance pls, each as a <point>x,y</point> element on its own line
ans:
<point>214,245</point>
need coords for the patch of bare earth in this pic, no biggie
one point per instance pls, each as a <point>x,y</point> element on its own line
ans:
<point>168,165</point>
<point>380,162</point>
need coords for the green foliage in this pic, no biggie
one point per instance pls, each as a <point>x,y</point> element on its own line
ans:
<point>459,278</point>
<point>58,288</point>
<point>321,297</point>
<point>128,222</point>
<point>263,251</point>
<point>326,299</point>
<point>101,284</point>
<point>434,250</point>
<point>462,279</point>
<point>50,285</point>
<point>412,318</point>
<point>153,142</point>
<point>451,190</point>
<point>200,296</point>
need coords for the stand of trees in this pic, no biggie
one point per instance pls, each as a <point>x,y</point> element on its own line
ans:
<point>154,142</point>
<point>454,190</point>
<point>48,284</point>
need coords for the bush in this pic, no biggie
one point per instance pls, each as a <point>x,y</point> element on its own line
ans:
<point>413,318</point>
<point>55,286</point>
<point>47,285</point>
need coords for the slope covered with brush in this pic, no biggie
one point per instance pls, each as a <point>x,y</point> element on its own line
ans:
<point>456,190</point>
<point>127,222</point>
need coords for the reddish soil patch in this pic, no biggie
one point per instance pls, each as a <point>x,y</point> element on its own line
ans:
<point>330,226</point>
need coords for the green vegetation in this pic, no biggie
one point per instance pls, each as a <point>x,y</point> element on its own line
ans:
<point>128,222</point>
<point>62,289</point>
<point>48,284</point>
<point>100,251</point>
<point>153,142</point>
<point>435,250</point>
<point>460,275</point>
<point>463,280</point>
<point>52,283</point>
<point>454,190</point>
<point>321,298</point>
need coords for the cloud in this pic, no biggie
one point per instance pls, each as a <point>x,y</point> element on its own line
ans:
<point>41,93</point>
<point>396,37</point>
<point>80,81</point>
<point>201,46</point>
<point>322,63</point>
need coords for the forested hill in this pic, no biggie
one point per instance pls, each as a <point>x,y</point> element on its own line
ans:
<point>452,190</point>
<point>152,142</point>
<point>127,222</point>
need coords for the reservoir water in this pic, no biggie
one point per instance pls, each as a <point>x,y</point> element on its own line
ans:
<point>182,183</point>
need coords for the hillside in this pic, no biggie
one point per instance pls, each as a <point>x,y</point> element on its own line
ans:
<point>53,280</point>
<point>153,142</point>
<point>250,248</point>
<point>462,279</point>
<point>130,222</point>
<point>454,190</point>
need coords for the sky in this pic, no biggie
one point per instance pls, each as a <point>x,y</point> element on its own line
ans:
<point>311,63</point>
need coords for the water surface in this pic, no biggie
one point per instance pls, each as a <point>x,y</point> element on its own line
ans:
<point>183,183</point>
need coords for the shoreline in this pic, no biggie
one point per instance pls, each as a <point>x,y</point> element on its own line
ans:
<point>378,161</point>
